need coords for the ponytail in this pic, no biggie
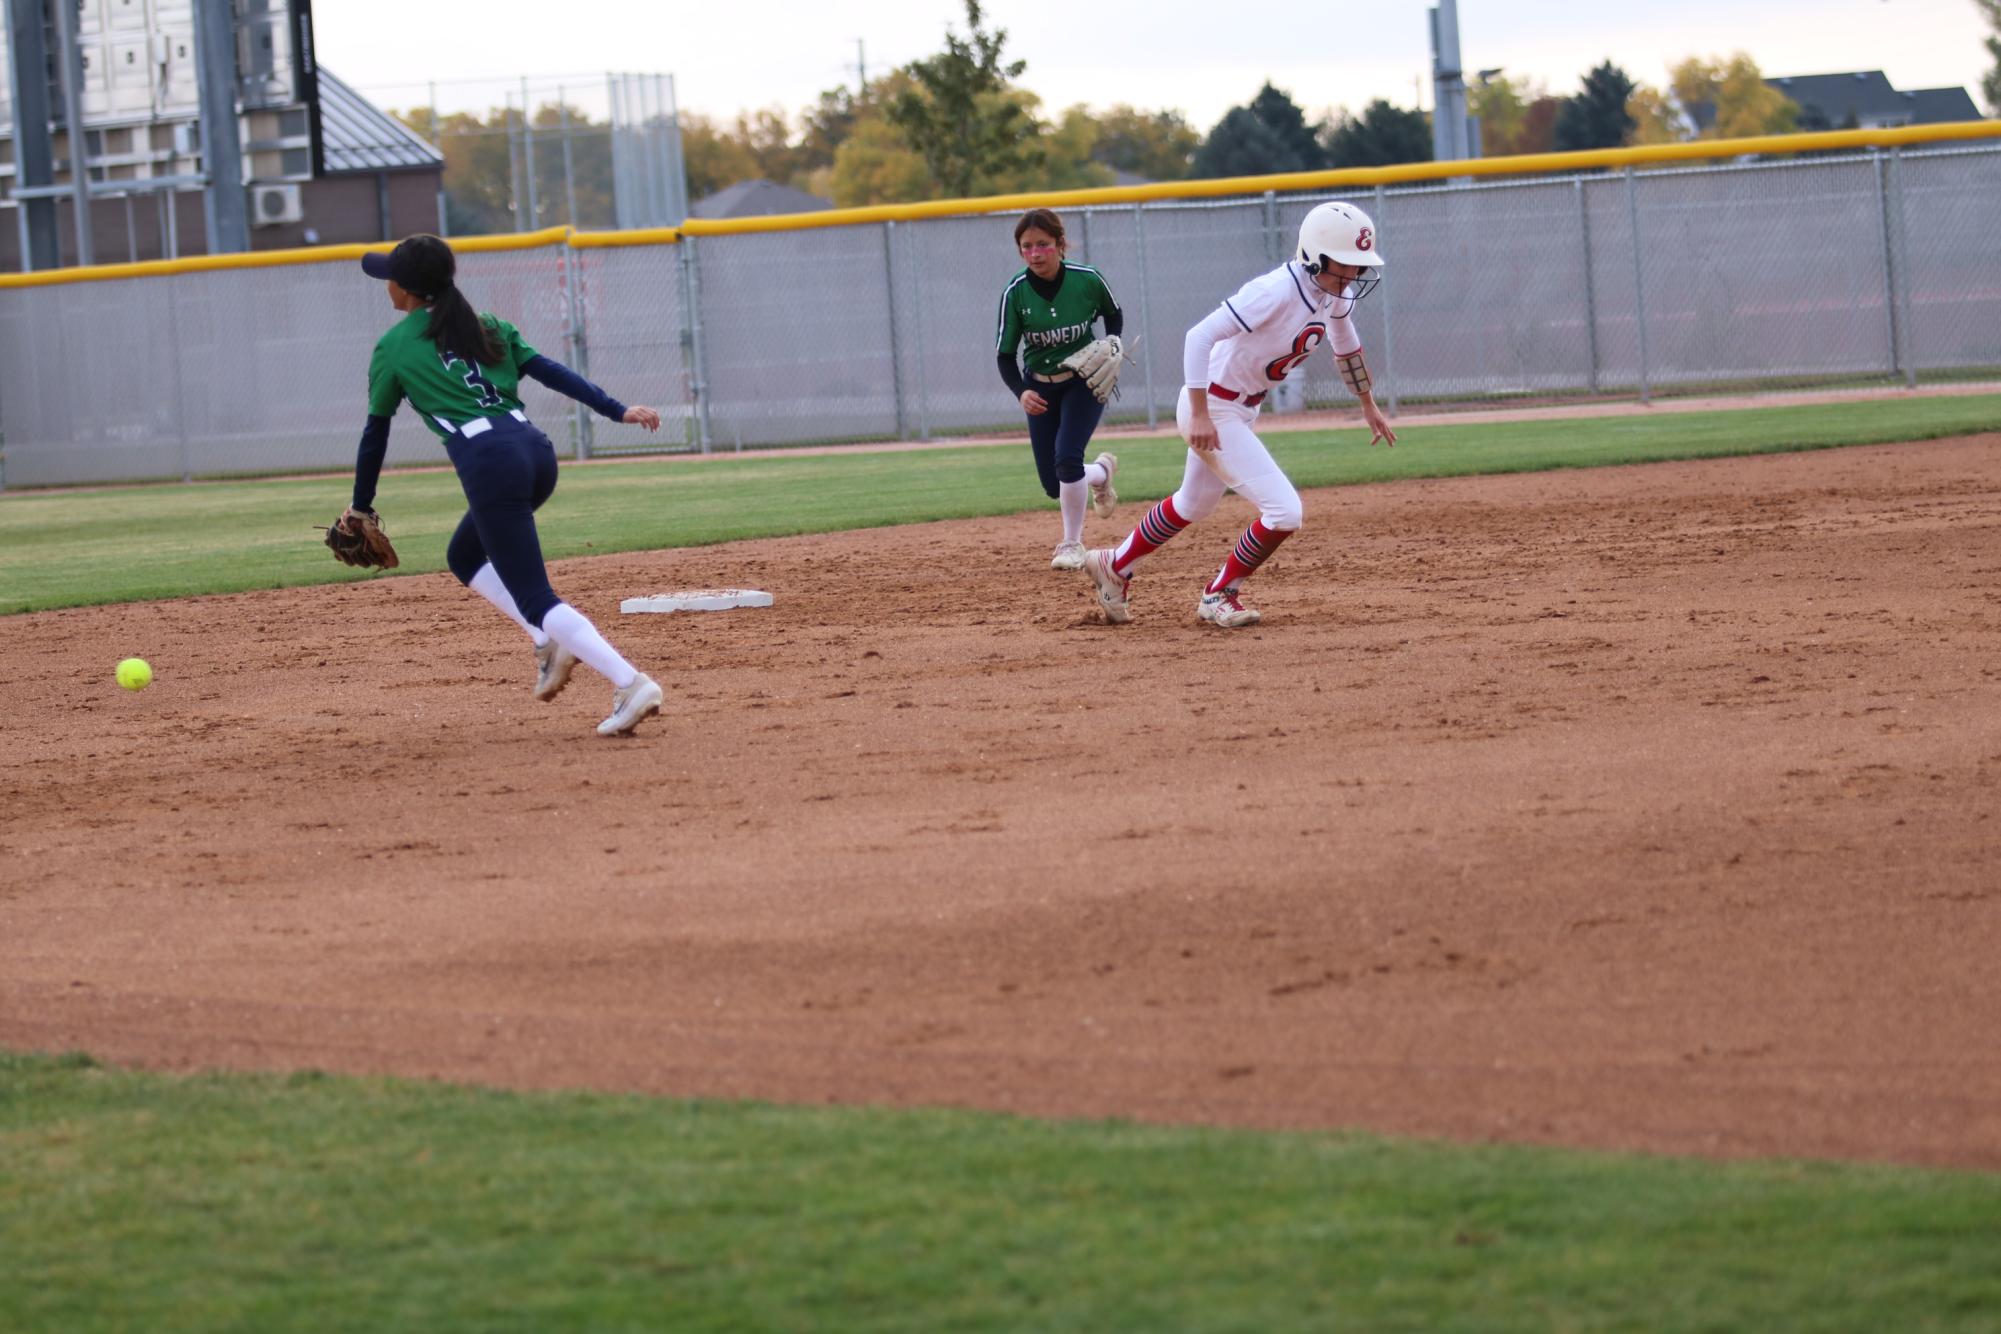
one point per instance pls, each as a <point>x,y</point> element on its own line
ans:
<point>457,328</point>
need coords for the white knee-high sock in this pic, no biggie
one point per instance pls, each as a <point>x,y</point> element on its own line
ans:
<point>1094,474</point>
<point>568,627</point>
<point>487,584</point>
<point>1073,497</point>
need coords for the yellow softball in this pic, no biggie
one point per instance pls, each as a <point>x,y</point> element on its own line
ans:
<point>135,674</point>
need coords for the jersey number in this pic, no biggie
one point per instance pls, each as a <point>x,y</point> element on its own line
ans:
<point>482,388</point>
<point>1312,336</point>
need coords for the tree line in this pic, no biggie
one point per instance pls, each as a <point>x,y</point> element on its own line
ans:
<point>959,123</point>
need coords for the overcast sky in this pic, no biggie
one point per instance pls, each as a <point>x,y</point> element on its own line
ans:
<point>1187,55</point>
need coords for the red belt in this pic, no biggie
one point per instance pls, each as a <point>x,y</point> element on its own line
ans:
<point>1231,395</point>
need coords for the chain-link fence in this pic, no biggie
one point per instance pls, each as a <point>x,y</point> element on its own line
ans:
<point>1876,267</point>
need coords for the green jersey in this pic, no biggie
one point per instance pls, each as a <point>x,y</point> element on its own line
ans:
<point>445,391</point>
<point>1054,327</point>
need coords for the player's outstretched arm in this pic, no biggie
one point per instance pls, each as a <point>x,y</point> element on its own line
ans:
<point>642,416</point>
<point>1355,374</point>
<point>368,461</point>
<point>557,376</point>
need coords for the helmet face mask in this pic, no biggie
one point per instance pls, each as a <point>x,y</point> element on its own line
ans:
<point>1336,233</point>
<point>1354,289</point>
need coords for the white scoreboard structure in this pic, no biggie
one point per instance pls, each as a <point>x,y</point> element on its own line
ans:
<point>138,64</point>
<point>139,97</point>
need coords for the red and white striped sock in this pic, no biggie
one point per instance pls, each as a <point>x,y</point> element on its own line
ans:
<point>1161,522</point>
<point>1254,548</point>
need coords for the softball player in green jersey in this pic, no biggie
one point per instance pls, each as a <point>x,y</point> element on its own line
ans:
<point>462,372</point>
<point>1046,314</point>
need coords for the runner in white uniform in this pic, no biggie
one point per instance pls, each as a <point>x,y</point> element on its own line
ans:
<point>1230,362</point>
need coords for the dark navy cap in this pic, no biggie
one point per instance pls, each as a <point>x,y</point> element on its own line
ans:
<point>421,265</point>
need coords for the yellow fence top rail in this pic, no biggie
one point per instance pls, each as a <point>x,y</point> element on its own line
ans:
<point>1529,164</point>
<point>635,236</point>
<point>271,259</point>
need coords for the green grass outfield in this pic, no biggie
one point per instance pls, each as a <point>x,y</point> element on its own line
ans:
<point>264,1202</point>
<point>123,544</point>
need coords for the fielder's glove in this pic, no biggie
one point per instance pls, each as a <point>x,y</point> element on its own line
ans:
<point>1099,364</point>
<point>357,538</point>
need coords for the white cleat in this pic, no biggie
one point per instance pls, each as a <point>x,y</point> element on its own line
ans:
<point>1226,610</point>
<point>1103,498</point>
<point>1112,586</point>
<point>553,665</point>
<point>1068,556</point>
<point>632,705</point>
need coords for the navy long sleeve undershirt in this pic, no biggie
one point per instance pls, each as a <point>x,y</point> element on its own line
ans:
<point>368,461</point>
<point>375,436</point>
<point>572,385</point>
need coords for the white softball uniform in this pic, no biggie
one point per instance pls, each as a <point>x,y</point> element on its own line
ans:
<point>1273,323</point>
<point>1245,346</point>
<point>1241,463</point>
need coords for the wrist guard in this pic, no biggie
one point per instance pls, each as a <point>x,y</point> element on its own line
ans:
<point>1354,372</point>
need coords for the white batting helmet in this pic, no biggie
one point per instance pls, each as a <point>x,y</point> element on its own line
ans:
<point>1336,233</point>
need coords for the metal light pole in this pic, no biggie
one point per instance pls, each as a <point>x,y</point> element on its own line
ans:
<point>225,203</point>
<point>69,59</point>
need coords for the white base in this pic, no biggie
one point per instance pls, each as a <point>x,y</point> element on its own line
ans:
<point>699,599</point>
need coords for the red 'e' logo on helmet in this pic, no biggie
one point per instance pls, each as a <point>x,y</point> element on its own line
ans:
<point>1364,239</point>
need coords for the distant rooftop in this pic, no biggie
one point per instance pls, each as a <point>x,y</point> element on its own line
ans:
<point>1866,99</point>
<point>359,136</point>
<point>750,199</point>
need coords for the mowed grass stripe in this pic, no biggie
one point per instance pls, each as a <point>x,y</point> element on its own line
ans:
<point>138,1201</point>
<point>128,544</point>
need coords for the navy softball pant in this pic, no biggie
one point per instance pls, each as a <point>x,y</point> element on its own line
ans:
<point>507,471</point>
<point>1058,436</point>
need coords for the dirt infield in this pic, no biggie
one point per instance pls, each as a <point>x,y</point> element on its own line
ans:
<point>1654,808</point>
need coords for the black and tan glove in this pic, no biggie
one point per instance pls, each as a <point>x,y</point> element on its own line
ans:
<point>358,538</point>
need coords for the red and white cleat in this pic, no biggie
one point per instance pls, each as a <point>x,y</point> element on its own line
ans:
<point>1111,584</point>
<point>1226,610</point>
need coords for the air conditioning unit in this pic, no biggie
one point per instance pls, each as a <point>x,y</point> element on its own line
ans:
<point>271,205</point>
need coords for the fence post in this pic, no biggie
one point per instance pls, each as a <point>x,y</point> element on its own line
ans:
<point>1639,285</point>
<point>1272,251</point>
<point>1389,336</point>
<point>1590,293</point>
<point>580,352</point>
<point>889,287</point>
<point>180,384</point>
<point>692,358</point>
<point>1889,263</point>
<point>917,333</point>
<point>1903,234</point>
<point>1145,323</point>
